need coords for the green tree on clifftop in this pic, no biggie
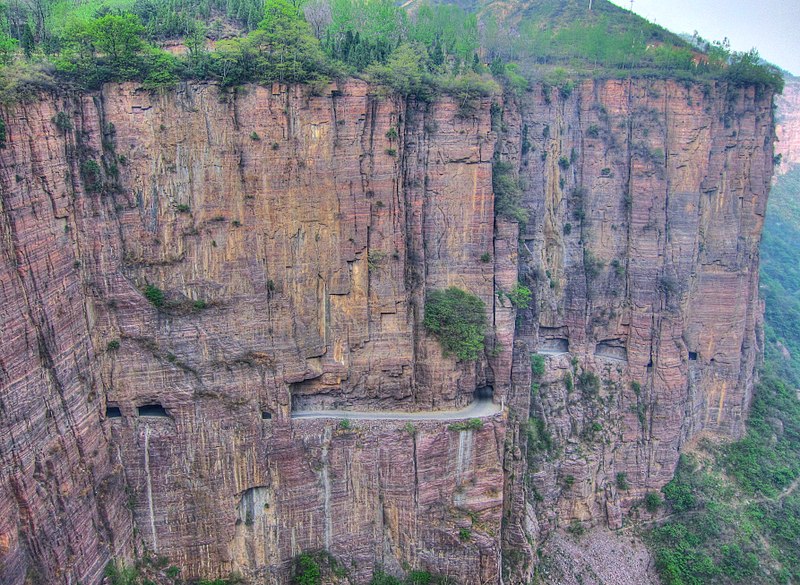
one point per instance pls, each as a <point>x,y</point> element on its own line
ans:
<point>288,49</point>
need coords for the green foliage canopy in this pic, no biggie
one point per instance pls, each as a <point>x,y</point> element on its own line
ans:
<point>458,319</point>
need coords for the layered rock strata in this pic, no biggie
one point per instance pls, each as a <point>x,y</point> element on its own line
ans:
<point>181,271</point>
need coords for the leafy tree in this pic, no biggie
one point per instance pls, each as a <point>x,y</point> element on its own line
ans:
<point>404,72</point>
<point>747,69</point>
<point>8,46</point>
<point>458,319</point>
<point>108,48</point>
<point>162,70</point>
<point>287,49</point>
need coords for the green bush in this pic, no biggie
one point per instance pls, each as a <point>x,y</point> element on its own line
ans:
<point>652,502</point>
<point>520,296</point>
<point>92,175</point>
<point>113,345</point>
<point>507,193</point>
<point>537,365</point>
<point>458,319</point>
<point>473,424</point>
<point>155,295</point>
<point>588,383</point>
<point>306,571</point>
<point>464,534</point>
<point>120,574</point>
<point>381,578</point>
<point>62,121</point>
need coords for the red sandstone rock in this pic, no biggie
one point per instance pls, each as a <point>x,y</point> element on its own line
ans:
<point>312,236</point>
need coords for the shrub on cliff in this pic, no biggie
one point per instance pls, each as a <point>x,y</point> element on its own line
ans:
<point>155,295</point>
<point>507,193</point>
<point>307,571</point>
<point>458,319</point>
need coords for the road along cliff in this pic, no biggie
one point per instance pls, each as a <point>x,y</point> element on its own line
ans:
<point>185,275</point>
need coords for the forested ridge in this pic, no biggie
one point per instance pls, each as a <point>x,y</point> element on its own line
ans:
<point>418,51</point>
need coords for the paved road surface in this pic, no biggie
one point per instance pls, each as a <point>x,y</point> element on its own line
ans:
<point>478,409</point>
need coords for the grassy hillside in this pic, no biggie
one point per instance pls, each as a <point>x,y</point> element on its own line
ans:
<point>734,510</point>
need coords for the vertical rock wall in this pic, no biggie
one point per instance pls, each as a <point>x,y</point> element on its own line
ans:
<point>646,201</point>
<point>294,238</point>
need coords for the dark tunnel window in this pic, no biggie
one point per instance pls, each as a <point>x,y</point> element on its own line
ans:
<point>484,393</point>
<point>152,410</point>
<point>113,412</point>
<point>266,415</point>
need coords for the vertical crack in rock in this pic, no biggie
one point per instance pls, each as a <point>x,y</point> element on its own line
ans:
<point>150,507</point>
<point>326,488</point>
<point>464,455</point>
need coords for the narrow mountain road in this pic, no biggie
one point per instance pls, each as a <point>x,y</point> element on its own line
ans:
<point>478,409</point>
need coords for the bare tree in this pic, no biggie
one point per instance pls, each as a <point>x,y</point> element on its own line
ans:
<point>318,15</point>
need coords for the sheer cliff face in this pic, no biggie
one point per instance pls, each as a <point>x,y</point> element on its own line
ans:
<point>295,238</point>
<point>788,127</point>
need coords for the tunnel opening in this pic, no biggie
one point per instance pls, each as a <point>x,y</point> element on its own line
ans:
<point>692,356</point>
<point>484,393</point>
<point>152,410</point>
<point>612,349</point>
<point>265,415</point>
<point>113,412</point>
<point>554,345</point>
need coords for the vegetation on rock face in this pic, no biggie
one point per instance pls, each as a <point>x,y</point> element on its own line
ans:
<point>734,510</point>
<point>458,319</point>
<point>507,193</point>
<point>307,571</point>
<point>412,578</point>
<point>154,294</point>
<point>473,424</point>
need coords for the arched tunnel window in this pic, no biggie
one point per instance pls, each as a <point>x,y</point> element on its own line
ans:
<point>152,410</point>
<point>265,415</point>
<point>484,393</point>
<point>113,412</point>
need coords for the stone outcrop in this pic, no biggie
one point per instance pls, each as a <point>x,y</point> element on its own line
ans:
<point>294,238</point>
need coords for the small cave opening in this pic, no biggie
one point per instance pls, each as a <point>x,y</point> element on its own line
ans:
<point>692,356</point>
<point>113,412</point>
<point>152,410</point>
<point>253,505</point>
<point>484,393</point>
<point>266,415</point>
